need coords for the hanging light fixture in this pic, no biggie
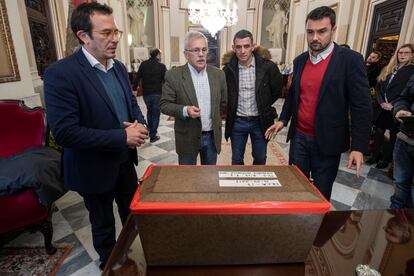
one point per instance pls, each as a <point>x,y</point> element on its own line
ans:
<point>213,15</point>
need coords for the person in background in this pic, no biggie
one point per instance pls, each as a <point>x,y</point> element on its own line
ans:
<point>329,82</point>
<point>373,68</point>
<point>152,73</point>
<point>195,94</point>
<point>398,227</point>
<point>391,82</point>
<point>403,196</point>
<point>254,83</point>
<point>95,118</point>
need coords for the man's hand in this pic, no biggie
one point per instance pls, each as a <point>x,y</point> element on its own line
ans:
<point>355,161</point>
<point>136,134</point>
<point>387,106</point>
<point>273,130</point>
<point>193,111</point>
<point>402,113</point>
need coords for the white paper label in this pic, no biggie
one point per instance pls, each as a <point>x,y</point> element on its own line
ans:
<point>249,183</point>
<point>240,174</point>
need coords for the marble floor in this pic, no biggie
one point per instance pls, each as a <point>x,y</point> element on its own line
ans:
<point>371,190</point>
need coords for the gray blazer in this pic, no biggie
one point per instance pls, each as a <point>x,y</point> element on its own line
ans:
<point>178,91</point>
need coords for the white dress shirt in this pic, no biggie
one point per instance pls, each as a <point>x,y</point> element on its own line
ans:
<point>202,89</point>
<point>95,63</point>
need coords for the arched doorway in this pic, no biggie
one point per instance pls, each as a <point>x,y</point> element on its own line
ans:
<point>386,27</point>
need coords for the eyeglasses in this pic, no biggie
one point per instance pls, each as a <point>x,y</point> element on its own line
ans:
<point>405,53</point>
<point>110,34</point>
<point>197,50</point>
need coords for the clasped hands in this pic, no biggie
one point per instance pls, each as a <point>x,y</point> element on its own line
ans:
<point>136,134</point>
<point>387,106</point>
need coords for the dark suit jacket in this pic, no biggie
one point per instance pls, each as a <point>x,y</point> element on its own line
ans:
<point>344,88</point>
<point>178,91</point>
<point>83,121</point>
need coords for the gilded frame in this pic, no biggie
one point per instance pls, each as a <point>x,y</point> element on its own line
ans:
<point>9,70</point>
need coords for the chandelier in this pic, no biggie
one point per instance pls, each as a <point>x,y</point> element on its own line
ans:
<point>213,15</point>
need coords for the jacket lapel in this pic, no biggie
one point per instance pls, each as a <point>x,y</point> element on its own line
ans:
<point>188,85</point>
<point>260,72</point>
<point>213,90</point>
<point>126,89</point>
<point>88,71</point>
<point>299,69</point>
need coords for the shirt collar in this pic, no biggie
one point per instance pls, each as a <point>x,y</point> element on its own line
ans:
<point>195,72</point>
<point>95,63</point>
<point>322,55</point>
<point>252,63</point>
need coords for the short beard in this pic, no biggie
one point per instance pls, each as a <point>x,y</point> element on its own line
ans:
<point>320,49</point>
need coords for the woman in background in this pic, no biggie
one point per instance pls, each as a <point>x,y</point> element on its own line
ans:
<point>391,82</point>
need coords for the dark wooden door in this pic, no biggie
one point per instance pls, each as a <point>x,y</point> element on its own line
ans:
<point>386,28</point>
<point>40,24</point>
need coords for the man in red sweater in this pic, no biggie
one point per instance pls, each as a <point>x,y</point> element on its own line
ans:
<point>329,81</point>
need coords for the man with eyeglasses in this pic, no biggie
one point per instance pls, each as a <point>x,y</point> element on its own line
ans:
<point>194,94</point>
<point>254,83</point>
<point>95,118</point>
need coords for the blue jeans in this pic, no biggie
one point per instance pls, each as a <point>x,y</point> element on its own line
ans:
<point>152,102</point>
<point>403,175</point>
<point>241,130</point>
<point>305,153</point>
<point>208,152</point>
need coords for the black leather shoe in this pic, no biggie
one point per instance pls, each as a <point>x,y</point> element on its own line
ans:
<point>155,138</point>
<point>102,266</point>
<point>382,164</point>
<point>371,160</point>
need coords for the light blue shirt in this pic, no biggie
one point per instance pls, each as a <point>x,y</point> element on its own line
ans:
<point>322,55</point>
<point>202,89</point>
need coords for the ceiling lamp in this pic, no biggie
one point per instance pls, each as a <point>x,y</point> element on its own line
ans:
<point>213,15</point>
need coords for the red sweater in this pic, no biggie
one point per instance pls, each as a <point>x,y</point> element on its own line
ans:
<point>310,85</point>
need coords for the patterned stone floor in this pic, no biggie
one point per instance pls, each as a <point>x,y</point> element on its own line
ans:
<point>71,224</point>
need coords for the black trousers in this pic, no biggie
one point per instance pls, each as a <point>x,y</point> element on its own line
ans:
<point>100,207</point>
<point>379,150</point>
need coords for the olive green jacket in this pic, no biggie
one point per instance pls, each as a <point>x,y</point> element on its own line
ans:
<point>178,91</point>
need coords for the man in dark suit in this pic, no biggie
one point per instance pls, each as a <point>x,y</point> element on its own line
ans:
<point>329,82</point>
<point>95,118</point>
<point>194,94</point>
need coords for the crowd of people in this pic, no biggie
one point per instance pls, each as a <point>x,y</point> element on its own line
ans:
<point>95,117</point>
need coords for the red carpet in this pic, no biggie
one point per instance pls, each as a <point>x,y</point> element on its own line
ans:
<point>32,261</point>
